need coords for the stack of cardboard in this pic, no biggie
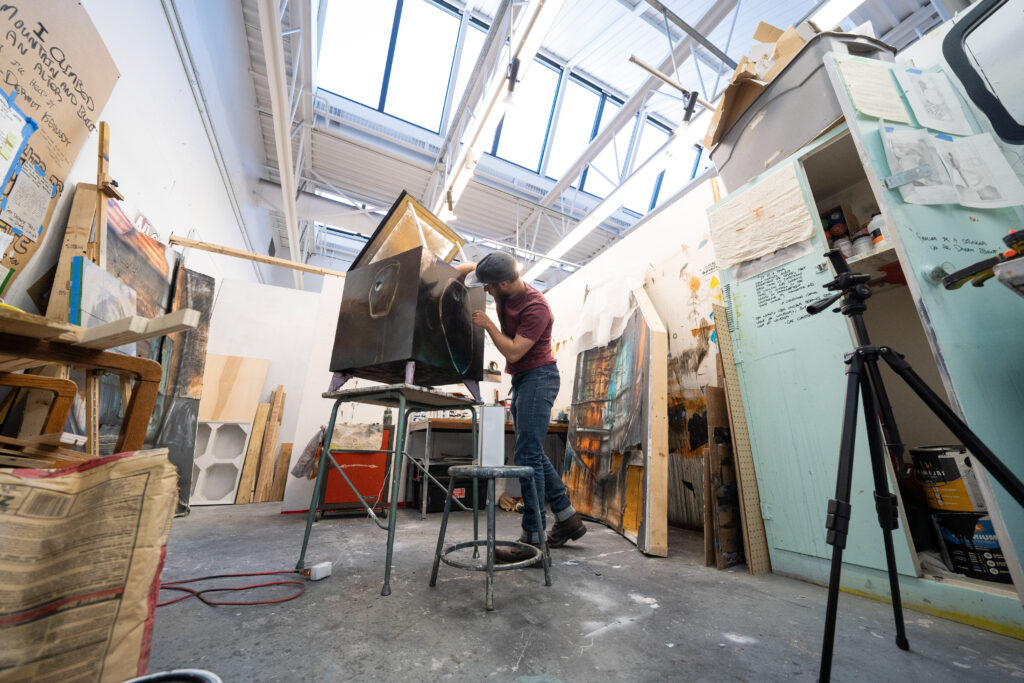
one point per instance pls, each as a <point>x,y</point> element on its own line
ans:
<point>773,49</point>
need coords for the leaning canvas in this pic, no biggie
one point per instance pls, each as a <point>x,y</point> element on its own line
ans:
<point>616,460</point>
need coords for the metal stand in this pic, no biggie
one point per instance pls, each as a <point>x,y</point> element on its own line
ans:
<point>864,384</point>
<point>407,399</point>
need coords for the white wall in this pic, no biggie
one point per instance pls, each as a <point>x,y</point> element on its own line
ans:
<point>159,151</point>
<point>281,324</point>
<point>660,254</point>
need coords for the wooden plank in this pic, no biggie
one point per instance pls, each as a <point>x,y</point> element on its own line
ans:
<point>284,459</point>
<point>232,386</point>
<point>260,258</point>
<point>136,328</point>
<point>76,238</point>
<point>252,455</point>
<point>17,322</point>
<point>655,527</point>
<point>92,412</point>
<point>755,542</point>
<point>265,478</point>
<point>99,256</point>
<point>709,511</point>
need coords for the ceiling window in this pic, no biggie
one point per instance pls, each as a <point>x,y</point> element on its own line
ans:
<point>638,196</point>
<point>396,56</point>
<point>471,46</point>
<point>603,175</point>
<point>354,50</point>
<point>575,127</point>
<point>678,174</point>
<point>523,131</point>
<point>422,64</point>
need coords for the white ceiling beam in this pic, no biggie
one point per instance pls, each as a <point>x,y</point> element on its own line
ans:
<point>706,25</point>
<point>528,30</point>
<point>313,207</point>
<point>273,55</point>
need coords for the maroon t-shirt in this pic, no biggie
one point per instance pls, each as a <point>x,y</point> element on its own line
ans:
<point>529,315</point>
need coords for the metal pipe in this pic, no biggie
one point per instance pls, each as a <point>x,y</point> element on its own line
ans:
<point>665,79</point>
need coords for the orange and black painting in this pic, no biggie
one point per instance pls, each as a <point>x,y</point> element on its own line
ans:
<point>608,430</point>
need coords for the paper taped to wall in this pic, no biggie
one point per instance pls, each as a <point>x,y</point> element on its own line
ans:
<point>980,173</point>
<point>933,101</point>
<point>906,150</point>
<point>872,90</point>
<point>970,171</point>
<point>25,208</point>
<point>770,215</point>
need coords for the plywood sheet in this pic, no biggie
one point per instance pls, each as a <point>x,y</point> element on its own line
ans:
<point>232,386</point>
<point>755,542</point>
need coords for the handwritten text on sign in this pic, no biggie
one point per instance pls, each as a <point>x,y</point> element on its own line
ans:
<point>783,294</point>
<point>53,59</point>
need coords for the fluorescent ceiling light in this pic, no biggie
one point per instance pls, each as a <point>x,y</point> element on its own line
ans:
<point>834,11</point>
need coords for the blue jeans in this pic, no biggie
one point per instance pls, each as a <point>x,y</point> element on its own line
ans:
<point>533,395</point>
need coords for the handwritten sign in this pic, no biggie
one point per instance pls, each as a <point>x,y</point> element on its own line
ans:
<point>783,294</point>
<point>53,58</point>
<point>957,244</point>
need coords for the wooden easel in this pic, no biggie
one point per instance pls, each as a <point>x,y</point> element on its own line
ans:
<point>86,236</point>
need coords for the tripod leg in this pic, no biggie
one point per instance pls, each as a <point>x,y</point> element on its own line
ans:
<point>979,450</point>
<point>885,502</point>
<point>838,520</point>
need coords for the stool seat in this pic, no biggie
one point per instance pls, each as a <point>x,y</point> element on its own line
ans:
<point>476,472</point>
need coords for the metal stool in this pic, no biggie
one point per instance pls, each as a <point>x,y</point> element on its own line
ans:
<point>476,472</point>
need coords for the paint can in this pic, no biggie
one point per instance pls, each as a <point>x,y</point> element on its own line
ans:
<point>971,546</point>
<point>862,244</point>
<point>947,475</point>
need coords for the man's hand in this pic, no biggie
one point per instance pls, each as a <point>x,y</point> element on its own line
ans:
<point>481,319</point>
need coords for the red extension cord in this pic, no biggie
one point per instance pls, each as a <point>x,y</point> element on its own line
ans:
<point>200,593</point>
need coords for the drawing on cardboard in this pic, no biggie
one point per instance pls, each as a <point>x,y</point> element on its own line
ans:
<point>614,467</point>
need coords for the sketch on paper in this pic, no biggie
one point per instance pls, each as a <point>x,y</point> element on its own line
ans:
<point>933,101</point>
<point>906,150</point>
<point>979,172</point>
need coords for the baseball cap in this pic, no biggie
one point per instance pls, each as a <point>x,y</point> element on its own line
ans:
<point>496,267</point>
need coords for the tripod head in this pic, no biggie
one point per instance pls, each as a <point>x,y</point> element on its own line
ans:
<point>851,287</point>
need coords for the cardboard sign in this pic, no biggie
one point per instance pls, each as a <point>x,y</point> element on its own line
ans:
<point>54,62</point>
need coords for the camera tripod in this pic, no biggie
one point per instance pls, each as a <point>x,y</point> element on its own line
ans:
<point>863,378</point>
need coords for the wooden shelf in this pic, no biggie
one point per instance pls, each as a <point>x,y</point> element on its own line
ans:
<point>873,261</point>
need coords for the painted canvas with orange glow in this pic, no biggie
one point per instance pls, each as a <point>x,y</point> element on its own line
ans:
<point>609,425</point>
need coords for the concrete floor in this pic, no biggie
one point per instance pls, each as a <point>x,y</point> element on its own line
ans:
<point>612,614</point>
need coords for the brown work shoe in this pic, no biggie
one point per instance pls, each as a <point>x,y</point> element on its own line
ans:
<point>507,555</point>
<point>571,529</point>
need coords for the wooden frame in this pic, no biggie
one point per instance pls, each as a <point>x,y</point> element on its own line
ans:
<point>146,374</point>
<point>64,391</point>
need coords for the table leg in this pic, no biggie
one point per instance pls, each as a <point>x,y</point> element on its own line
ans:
<point>396,473</point>
<point>321,473</point>
<point>476,487</point>
<point>489,603</point>
<point>424,482</point>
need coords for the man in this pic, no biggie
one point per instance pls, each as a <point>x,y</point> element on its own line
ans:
<point>524,339</point>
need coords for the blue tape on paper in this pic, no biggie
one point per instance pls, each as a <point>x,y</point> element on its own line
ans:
<point>26,132</point>
<point>944,136</point>
<point>914,71</point>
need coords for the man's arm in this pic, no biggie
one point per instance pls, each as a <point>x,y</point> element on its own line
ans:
<point>511,349</point>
